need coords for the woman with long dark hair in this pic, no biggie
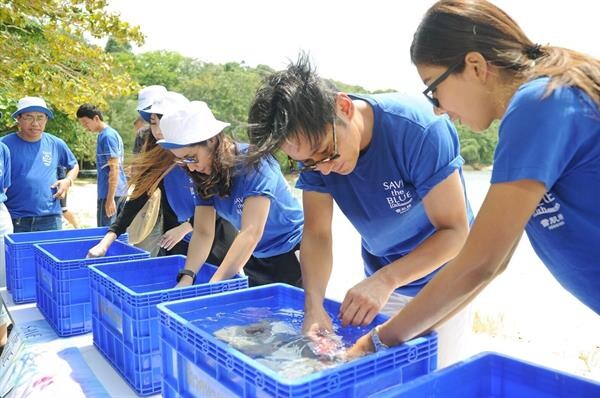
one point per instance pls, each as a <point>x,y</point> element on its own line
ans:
<point>479,66</point>
<point>257,201</point>
<point>154,168</point>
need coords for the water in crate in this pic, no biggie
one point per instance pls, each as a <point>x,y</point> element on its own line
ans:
<point>276,342</point>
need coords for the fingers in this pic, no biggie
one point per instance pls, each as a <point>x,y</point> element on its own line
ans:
<point>166,242</point>
<point>357,311</point>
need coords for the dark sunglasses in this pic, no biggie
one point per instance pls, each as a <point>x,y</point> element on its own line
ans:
<point>428,93</point>
<point>312,166</point>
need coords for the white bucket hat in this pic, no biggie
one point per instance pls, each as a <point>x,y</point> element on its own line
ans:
<point>32,104</point>
<point>148,95</point>
<point>189,125</point>
<point>169,102</point>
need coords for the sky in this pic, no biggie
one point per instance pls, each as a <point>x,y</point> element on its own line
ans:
<point>355,42</point>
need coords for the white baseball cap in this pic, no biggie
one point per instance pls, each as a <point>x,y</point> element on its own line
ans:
<point>189,125</point>
<point>148,95</point>
<point>169,102</point>
<point>32,104</point>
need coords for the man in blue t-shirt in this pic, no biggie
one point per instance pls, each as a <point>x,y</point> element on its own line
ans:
<point>112,184</point>
<point>33,198</point>
<point>392,167</point>
<point>6,226</point>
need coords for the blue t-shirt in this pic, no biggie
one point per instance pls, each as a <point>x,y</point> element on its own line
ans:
<point>556,140</point>
<point>411,151</point>
<point>179,188</point>
<point>33,170</point>
<point>181,195</point>
<point>283,229</point>
<point>4,171</point>
<point>109,145</point>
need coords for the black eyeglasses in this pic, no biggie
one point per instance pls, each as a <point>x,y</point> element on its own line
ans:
<point>311,166</point>
<point>428,93</point>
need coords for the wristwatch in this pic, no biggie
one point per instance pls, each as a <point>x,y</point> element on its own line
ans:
<point>377,343</point>
<point>187,272</point>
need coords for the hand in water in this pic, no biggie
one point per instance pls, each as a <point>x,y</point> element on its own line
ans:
<point>315,322</point>
<point>362,347</point>
<point>326,345</point>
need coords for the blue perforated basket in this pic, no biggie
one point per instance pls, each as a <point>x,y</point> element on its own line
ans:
<point>195,363</point>
<point>63,283</point>
<point>19,257</point>
<point>492,375</point>
<point>125,319</point>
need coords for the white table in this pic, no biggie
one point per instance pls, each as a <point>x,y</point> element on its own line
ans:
<point>112,381</point>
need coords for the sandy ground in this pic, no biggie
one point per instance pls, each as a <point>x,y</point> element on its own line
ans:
<point>524,313</point>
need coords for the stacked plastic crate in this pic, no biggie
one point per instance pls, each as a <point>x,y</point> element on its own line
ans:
<point>125,318</point>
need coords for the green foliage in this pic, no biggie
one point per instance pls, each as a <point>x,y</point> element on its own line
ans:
<point>114,46</point>
<point>478,148</point>
<point>166,68</point>
<point>43,52</point>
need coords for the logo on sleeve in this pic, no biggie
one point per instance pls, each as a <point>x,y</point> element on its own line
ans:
<point>398,197</point>
<point>549,210</point>
<point>46,158</point>
<point>239,205</point>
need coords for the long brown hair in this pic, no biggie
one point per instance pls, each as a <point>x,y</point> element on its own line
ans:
<point>218,183</point>
<point>452,28</point>
<point>149,167</point>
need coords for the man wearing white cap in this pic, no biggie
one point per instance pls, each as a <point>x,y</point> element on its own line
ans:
<point>34,193</point>
<point>112,184</point>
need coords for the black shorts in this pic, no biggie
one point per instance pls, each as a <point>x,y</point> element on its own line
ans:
<point>283,268</point>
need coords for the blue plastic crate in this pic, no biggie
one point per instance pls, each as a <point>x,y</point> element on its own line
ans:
<point>20,264</point>
<point>196,363</point>
<point>63,282</point>
<point>125,319</point>
<point>491,375</point>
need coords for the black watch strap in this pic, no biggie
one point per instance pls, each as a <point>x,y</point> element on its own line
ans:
<point>187,272</point>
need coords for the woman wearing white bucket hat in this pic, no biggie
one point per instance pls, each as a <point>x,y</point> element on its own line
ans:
<point>151,169</point>
<point>258,202</point>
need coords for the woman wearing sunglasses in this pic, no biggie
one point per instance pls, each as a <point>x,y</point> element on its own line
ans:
<point>257,201</point>
<point>480,66</point>
<point>154,168</point>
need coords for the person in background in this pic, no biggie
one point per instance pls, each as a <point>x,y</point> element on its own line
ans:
<point>257,201</point>
<point>112,184</point>
<point>33,198</point>
<point>478,66</point>
<point>394,169</point>
<point>6,226</point>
